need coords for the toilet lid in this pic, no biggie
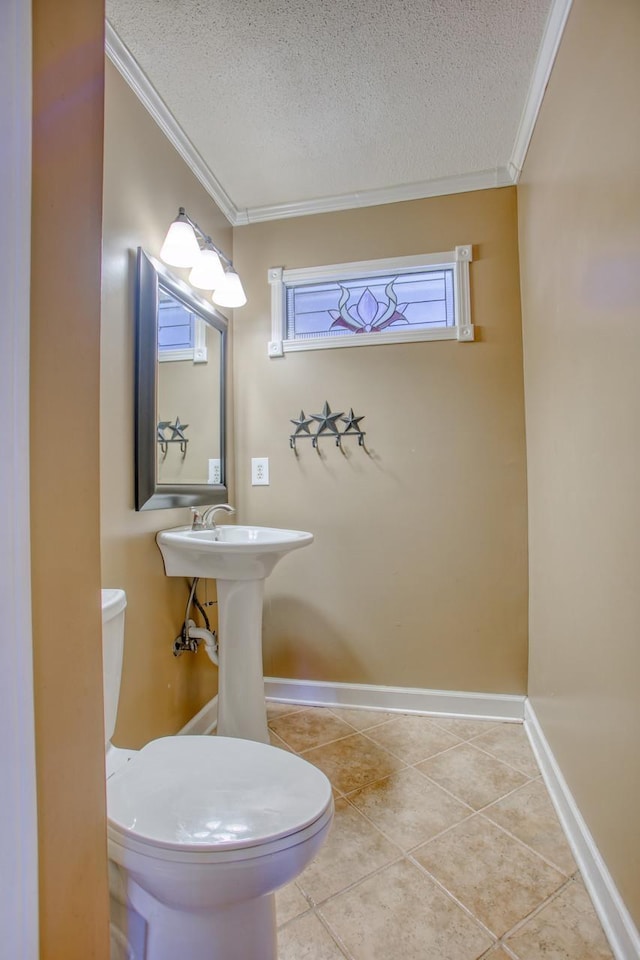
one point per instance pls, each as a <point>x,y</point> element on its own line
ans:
<point>215,791</point>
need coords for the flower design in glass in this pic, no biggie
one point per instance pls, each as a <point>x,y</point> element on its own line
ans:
<point>408,301</point>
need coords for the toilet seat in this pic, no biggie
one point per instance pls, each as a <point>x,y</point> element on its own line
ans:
<point>215,799</point>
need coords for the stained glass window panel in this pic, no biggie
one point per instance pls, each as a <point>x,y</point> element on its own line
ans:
<point>396,302</point>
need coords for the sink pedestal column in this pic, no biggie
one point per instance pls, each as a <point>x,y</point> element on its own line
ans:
<point>241,704</point>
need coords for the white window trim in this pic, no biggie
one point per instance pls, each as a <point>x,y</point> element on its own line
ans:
<point>279,279</point>
<point>199,351</point>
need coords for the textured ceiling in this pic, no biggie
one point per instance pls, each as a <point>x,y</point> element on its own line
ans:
<point>296,100</point>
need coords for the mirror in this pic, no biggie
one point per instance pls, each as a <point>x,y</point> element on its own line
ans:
<point>181,342</point>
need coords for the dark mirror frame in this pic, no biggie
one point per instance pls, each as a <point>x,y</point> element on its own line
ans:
<point>151,277</point>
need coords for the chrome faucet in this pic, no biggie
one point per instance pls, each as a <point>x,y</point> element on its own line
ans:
<point>206,519</point>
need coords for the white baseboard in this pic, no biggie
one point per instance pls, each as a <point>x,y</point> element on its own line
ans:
<point>317,693</point>
<point>204,722</point>
<point>620,929</point>
<point>448,703</point>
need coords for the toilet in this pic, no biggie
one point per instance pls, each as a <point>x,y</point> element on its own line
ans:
<point>201,832</point>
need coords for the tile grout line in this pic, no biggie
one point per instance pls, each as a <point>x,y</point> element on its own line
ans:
<point>314,911</point>
<point>406,851</point>
<point>536,910</point>
<point>319,904</point>
<point>335,936</point>
<point>528,846</point>
<point>497,799</point>
<point>329,743</point>
<point>410,763</point>
<point>519,923</point>
<point>507,763</point>
<point>452,896</point>
<point>287,923</point>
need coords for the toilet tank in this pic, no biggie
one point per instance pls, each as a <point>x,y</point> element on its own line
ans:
<point>113,607</point>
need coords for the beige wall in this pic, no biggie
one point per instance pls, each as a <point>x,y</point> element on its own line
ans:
<point>580,254</point>
<point>417,576</point>
<point>144,183</point>
<point>65,358</point>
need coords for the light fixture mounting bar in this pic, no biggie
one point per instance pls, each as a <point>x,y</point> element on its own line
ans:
<point>204,237</point>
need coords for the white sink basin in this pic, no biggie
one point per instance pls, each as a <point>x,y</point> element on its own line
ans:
<point>229,552</point>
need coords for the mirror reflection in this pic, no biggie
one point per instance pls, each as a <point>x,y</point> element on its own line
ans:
<point>188,402</point>
<point>180,393</point>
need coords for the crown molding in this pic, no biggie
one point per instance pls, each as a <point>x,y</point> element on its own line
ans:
<point>554,28</point>
<point>482,180</point>
<point>123,60</point>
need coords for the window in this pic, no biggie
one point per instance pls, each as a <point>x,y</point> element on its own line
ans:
<point>181,334</point>
<point>423,297</point>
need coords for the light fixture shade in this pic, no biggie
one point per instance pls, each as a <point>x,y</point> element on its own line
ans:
<point>230,292</point>
<point>208,272</point>
<point>180,247</point>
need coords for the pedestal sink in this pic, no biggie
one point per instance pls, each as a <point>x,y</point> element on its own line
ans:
<point>240,558</point>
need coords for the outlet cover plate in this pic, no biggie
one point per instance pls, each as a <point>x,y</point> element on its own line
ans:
<point>259,471</point>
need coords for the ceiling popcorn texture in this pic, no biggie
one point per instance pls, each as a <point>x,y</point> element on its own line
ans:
<point>288,101</point>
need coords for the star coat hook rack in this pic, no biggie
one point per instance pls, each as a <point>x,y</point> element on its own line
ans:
<point>326,424</point>
<point>177,435</point>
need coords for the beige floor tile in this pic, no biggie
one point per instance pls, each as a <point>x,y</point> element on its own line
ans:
<point>495,877</point>
<point>290,903</point>
<point>400,914</point>
<point>566,929</point>
<point>465,729</point>
<point>282,709</point>
<point>275,741</point>
<point>497,954</point>
<point>310,728</point>
<point>352,762</point>
<point>307,939</point>
<point>528,813</point>
<point>473,776</point>
<point>361,719</point>
<point>408,808</point>
<point>509,743</point>
<point>412,738</point>
<point>353,849</point>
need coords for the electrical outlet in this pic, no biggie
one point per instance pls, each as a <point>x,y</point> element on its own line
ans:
<point>259,471</point>
<point>214,471</point>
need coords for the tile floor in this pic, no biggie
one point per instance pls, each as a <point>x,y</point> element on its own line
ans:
<point>444,846</point>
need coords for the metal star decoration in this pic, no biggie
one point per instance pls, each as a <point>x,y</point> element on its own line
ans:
<point>177,429</point>
<point>352,422</point>
<point>326,420</point>
<point>162,426</point>
<point>301,425</point>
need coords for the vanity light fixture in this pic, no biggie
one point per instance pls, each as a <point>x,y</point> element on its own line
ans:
<point>186,245</point>
<point>208,272</point>
<point>180,247</point>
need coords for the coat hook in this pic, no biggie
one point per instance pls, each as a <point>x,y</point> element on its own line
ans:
<point>326,426</point>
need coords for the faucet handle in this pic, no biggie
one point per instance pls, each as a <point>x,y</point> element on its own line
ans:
<point>197,523</point>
